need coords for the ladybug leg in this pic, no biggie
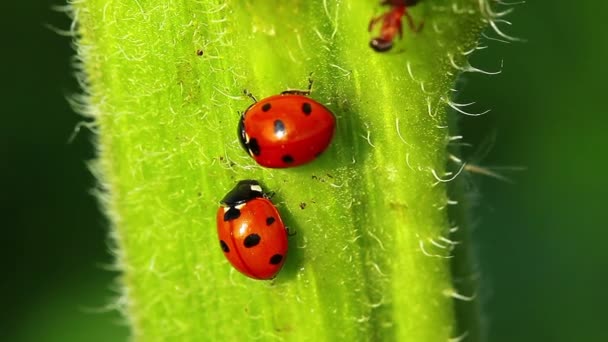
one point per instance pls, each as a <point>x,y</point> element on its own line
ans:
<point>250,95</point>
<point>290,232</point>
<point>269,195</point>
<point>373,22</point>
<point>411,24</point>
<point>400,27</point>
<point>420,26</point>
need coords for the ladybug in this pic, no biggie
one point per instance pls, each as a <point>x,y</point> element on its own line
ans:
<point>286,130</point>
<point>251,232</point>
<point>391,24</point>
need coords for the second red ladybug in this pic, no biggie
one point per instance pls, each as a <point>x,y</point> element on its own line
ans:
<point>251,232</point>
<point>286,130</point>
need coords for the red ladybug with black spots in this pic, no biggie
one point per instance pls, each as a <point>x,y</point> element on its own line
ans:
<point>251,232</point>
<point>286,130</point>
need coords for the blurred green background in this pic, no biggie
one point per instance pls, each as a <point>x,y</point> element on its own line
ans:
<point>540,242</point>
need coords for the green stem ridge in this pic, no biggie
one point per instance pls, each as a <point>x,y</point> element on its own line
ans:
<point>371,258</point>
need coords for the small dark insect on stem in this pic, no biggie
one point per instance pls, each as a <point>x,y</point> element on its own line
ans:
<point>391,24</point>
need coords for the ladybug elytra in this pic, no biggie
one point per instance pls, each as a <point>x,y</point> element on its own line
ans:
<point>286,130</point>
<point>251,232</point>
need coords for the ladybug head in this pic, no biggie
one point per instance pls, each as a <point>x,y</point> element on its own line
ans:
<point>381,44</point>
<point>241,133</point>
<point>244,191</point>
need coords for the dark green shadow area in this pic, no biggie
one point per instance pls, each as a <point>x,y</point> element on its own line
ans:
<point>540,241</point>
<point>54,286</point>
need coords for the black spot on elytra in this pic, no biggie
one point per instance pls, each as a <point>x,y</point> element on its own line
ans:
<point>269,220</point>
<point>279,128</point>
<point>276,259</point>
<point>224,246</point>
<point>252,240</point>
<point>254,147</point>
<point>231,214</point>
<point>306,108</point>
<point>287,159</point>
<point>266,107</point>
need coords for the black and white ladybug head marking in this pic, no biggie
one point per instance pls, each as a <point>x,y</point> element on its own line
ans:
<point>250,145</point>
<point>243,138</point>
<point>244,191</point>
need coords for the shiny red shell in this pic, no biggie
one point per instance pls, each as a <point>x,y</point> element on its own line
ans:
<point>286,130</point>
<point>255,242</point>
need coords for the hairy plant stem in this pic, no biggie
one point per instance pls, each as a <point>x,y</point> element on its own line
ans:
<point>371,258</point>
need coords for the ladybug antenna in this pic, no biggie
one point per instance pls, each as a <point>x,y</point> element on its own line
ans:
<point>310,81</point>
<point>250,95</point>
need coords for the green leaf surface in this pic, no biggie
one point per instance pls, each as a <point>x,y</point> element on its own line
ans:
<point>165,84</point>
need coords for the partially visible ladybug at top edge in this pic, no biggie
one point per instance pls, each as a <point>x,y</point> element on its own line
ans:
<point>286,130</point>
<point>251,232</point>
<point>392,24</point>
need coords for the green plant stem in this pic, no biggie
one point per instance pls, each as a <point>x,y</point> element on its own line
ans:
<point>367,262</point>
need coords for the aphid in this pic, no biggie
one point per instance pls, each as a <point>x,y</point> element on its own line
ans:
<point>286,130</point>
<point>392,24</point>
<point>251,232</point>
